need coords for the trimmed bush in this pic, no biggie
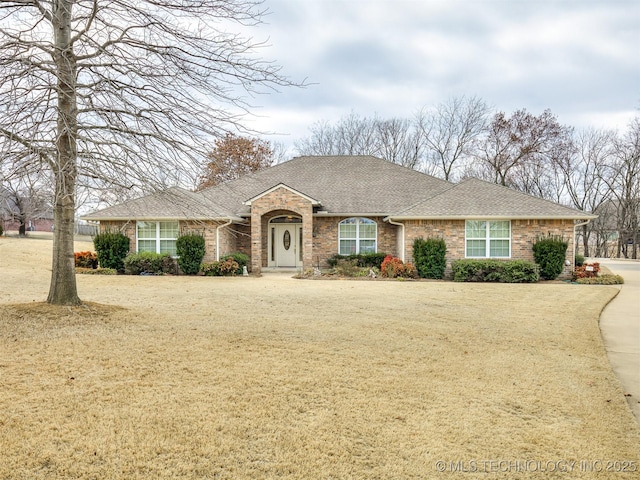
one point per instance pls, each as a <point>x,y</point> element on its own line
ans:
<point>1,230</point>
<point>503,271</point>
<point>362,260</point>
<point>347,268</point>
<point>190,251</point>
<point>549,253</point>
<point>429,257</point>
<point>149,263</point>
<point>85,260</point>
<point>579,260</point>
<point>393,267</point>
<point>241,259</point>
<point>96,271</point>
<point>111,248</point>
<point>606,279</point>
<point>223,268</point>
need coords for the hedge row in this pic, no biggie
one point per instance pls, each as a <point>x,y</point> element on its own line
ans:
<point>362,260</point>
<point>503,271</point>
<point>149,263</point>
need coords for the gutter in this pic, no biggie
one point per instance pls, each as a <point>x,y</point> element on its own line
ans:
<point>218,238</point>
<point>388,219</point>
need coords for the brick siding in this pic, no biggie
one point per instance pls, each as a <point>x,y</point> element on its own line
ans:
<point>523,235</point>
<point>320,234</point>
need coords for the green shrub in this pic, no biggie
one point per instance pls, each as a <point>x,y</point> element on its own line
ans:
<point>223,268</point>
<point>549,253</point>
<point>1,230</point>
<point>149,263</point>
<point>579,260</point>
<point>190,251</point>
<point>111,248</point>
<point>429,257</point>
<point>347,268</point>
<point>362,260</point>
<point>503,271</point>
<point>241,259</point>
<point>606,279</point>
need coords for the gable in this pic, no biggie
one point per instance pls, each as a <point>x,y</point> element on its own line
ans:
<point>283,187</point>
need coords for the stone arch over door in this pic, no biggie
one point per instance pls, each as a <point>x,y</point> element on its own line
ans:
<point>277,202</point>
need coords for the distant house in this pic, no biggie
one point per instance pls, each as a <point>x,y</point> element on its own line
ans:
<point>16,210</point>
<point>301,212</point>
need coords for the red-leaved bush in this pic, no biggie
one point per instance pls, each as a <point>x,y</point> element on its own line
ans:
<point>393,267</point>
<point>588,270</point>
<point>86,259</point>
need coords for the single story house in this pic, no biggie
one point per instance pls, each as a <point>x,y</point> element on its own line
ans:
<point>299,213</point>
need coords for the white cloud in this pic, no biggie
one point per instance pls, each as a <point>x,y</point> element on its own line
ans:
<point>392,57</point>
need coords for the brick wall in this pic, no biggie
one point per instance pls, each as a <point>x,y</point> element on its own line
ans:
<point>228,241</point>
<point>320,234</point>
<point>523,235</point>
<point>280,201</point>
<point>325,238</point>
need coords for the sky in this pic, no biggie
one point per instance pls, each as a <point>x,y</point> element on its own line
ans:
<point>390,58</point>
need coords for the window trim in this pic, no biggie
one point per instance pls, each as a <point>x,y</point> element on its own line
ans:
<point>357,238</point>
<point>157,238</point>
<point>487,238</point>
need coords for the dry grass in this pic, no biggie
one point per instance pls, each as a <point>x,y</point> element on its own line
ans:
<point>176,377</point>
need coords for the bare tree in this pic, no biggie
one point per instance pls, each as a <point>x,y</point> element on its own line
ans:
<point>395,140</point>
<point>450,131</point>
<point>400,142</point>
<point>24,199</point>
<point>520,142</point>
<point>582,174</point>
<point>352,135</point>
<point>118,92</point>
<point>623,178</point>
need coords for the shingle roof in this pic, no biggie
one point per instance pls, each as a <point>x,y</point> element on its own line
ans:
<point>344,185</point>
<point>477,198</point>
<point>171,204</point>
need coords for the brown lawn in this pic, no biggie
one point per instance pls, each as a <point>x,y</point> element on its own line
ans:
<point>243,378</point>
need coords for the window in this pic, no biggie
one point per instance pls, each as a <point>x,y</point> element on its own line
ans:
<point>357,235</point>
<point>490,239</point>
<point>158,237</point>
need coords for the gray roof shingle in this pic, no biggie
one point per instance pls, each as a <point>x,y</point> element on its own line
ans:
<point>171,204</point>
<point>477,198</point>
<point>344,185</point>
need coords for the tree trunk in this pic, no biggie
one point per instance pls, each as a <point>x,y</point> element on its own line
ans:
<point>585,239</point>
<point>22,228</point>
<point>63,290</point>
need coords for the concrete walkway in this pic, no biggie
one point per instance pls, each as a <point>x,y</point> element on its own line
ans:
<point>620,327</point>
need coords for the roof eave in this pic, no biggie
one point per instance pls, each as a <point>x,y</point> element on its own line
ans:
<point>492,217</point>
<point>157,218</point>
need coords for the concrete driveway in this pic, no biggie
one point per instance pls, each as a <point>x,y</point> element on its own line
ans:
<point>620,327</point>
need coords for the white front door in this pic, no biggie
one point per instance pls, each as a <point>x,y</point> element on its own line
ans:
<point>286,246</point>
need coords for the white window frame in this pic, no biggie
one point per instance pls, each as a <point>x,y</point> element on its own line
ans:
<point>357,238</point>
<point>157,238</point>
<point>487,239</point>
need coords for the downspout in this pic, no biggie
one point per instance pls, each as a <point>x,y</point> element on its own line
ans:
<point>218,238</point>
<point>401,236</point>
